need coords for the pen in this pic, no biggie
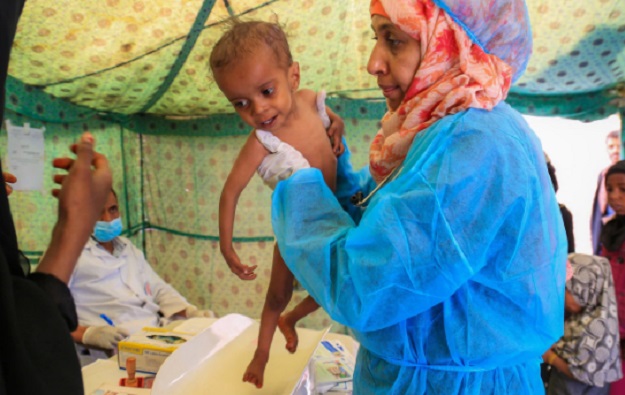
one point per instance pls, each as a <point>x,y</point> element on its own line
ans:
<point>107,319</point>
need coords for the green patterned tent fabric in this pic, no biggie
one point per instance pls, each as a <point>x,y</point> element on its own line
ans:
<point>135,73</point>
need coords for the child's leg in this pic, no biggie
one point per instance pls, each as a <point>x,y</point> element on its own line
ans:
<point>278,297</point>
<point>287,321</point>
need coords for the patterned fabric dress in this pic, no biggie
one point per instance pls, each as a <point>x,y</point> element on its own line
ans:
<point>590,344</point>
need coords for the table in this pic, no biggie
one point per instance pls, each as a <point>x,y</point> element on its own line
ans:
<point>107,372</point>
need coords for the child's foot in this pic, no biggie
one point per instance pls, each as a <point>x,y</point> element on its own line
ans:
<point>288,330</point>
<point>255,372</point>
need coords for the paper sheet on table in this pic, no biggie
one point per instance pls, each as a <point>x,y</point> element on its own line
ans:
<point>25,156</point>
<point>194,325</point>
<point>214,361</point>
<point>117,390</point>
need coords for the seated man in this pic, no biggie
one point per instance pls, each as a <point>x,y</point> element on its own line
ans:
<point>116,291</point>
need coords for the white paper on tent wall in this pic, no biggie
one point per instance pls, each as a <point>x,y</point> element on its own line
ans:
<point>25,156</point>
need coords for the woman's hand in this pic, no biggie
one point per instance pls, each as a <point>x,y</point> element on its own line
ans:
<point>8,178</point>
<point>82,194</point>
<point>335,132</point>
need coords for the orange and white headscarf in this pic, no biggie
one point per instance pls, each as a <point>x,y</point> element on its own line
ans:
<point>454,74</point>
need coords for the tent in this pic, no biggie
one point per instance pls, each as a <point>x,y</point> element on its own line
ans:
<point>135,73</point>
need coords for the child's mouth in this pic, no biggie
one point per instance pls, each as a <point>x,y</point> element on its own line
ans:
<point>268,123</point>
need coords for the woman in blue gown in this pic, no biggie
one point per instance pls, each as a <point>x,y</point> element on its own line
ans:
<point>451,269</point>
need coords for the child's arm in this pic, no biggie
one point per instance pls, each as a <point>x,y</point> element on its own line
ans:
<point>336,132</point>
<point>245,165</point>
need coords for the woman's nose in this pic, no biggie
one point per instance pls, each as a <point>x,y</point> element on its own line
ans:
<point>377,63</point>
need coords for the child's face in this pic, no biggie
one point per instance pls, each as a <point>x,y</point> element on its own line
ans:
<point>260,88</point>
<point>615,186</point>
<point>394,60</point>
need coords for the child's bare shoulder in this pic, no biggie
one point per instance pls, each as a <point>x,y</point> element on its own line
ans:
<point>253,149</point>
<point>308,96</point>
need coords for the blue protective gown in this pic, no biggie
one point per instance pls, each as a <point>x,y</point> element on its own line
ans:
<point>453,276</point>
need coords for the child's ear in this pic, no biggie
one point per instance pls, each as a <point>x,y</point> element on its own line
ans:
<point>294,76</point>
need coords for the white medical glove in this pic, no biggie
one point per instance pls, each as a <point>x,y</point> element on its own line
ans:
<point>104,336</point>
<point>193,312</point>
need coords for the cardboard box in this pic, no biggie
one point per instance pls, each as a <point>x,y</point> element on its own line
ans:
<point>150,347</point>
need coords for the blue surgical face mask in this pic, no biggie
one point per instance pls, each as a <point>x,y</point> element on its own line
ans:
<point>106,231</point>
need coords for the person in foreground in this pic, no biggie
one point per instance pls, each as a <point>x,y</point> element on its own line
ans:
<point>253,67</point>
<point>452,275</point>
<point>37,310</point>
<point>116,291</point>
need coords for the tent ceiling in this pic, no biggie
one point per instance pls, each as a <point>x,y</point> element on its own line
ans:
<point>130,57</point>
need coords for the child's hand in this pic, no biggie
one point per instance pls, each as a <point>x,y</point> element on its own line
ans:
<point>244,272</point>
<point>335,133</point>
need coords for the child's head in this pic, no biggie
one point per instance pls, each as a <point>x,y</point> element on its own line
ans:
<point>244,38</point>
<point>615,186</point>
<point>253,67</point>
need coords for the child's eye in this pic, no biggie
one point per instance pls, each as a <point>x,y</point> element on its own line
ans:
<point>240,103</point>
<point>267,91</point>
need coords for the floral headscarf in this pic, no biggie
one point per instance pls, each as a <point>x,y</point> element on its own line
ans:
<point>454,74</point>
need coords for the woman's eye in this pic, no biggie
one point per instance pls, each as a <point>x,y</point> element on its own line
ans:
<point>392,41</point>
<point>267,91</point>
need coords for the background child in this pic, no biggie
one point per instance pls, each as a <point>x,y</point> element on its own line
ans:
<point>586,359</point>
<point>613,248</point>
<point>253,67</point>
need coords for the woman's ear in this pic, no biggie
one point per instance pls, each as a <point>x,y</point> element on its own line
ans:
<point>294,76</point>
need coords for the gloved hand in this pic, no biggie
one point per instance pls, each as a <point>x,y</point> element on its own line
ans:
<point>193,312</point>
<point>103,336</point>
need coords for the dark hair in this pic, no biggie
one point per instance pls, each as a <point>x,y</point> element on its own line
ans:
<point>243,38</point>
<point>618,167</point>
<point>552,172</point>
<point>552,175</point>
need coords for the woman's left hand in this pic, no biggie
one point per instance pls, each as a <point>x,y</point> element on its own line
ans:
<point>8,178</point>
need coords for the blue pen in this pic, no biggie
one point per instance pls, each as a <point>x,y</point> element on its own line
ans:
<point>107,319</point>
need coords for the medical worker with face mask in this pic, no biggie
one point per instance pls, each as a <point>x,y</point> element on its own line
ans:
<point>116,291</point>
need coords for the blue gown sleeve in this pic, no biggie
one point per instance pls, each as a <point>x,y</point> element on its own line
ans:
<point>468,205</point>
<point>350,181</point>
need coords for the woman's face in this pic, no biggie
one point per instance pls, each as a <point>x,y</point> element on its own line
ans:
<point>394,60</point>
<point>615,186</point>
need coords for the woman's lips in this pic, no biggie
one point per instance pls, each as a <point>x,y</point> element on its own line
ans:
<point>388,90</point>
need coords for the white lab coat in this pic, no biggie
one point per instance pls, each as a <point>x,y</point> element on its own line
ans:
<point>125,288</point>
